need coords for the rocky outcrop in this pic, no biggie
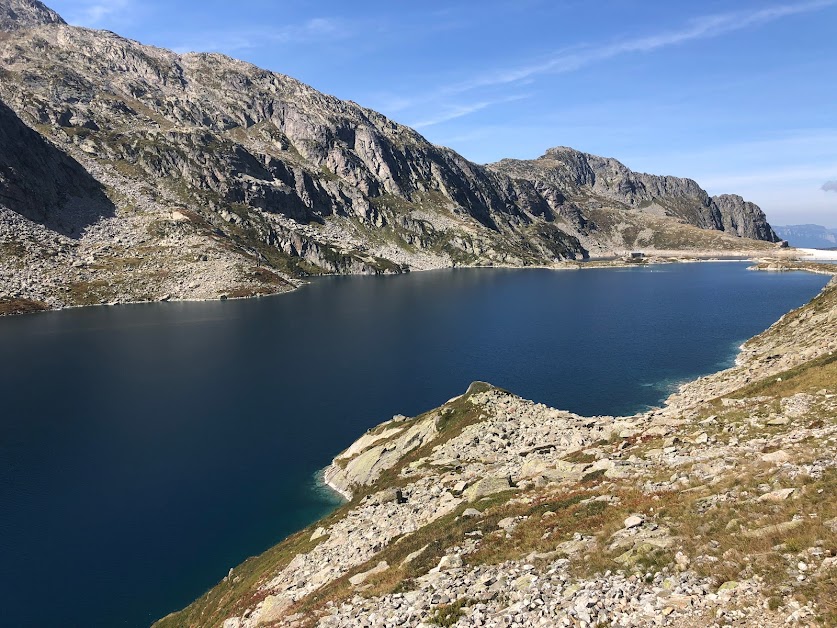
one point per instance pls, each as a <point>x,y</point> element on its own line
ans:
<point>377,452</point>
<point>569,177</point>
<point>17,14</point>
<point>44,184</point>
<point>744,218</point>
<point>282,176</point>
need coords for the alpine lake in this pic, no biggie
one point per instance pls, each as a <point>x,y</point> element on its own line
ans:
<point>146,449</point>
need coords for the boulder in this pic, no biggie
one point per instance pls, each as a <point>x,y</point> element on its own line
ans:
<point>657,431</point>
<point>779,495</point>
<point>360,578</point>
<point>273,609</point>
<point>388,495</point>
<point>451,561</point>
<point>413,555</point>
<point>776,457</point>
<point>773,530</point>
<point>487,486</point>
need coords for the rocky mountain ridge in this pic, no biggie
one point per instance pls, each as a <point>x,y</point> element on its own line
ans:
<point>590,179</point>
<point>205,158</point>
<point>17,14</point>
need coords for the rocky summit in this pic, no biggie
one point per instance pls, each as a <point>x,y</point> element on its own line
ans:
<point>16,14</point>
<point>716,509</point>
<point>131,173</point>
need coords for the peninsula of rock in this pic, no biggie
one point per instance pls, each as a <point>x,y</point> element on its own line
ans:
<point>716,509</point>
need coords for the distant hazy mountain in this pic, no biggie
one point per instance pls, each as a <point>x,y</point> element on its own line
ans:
<point>808,236</point>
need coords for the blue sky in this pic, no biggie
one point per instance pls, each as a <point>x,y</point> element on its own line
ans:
<point>739,95</point>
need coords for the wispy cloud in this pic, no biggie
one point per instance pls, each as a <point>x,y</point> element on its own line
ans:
<point>232,41</point>
<point>97,13</point>
<point>704,27</point>
<point>577,57</point>
<point>458,111</point>
<point>829,186</point>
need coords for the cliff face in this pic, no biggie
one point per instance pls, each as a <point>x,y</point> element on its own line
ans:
<point>278,174</point>
<point>744,218</point>
<point>582,180</point>
<point>44,184</point>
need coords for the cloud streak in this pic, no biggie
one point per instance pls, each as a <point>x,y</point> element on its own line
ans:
<point>578,57</point>
<point>458,111</point>
<point>829,186</point>
<point>96,13</point>
<point>705,27</point>
<point>313,30</point>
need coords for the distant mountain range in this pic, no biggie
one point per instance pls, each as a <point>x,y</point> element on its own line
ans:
<point>129,172</point>
<point>808,236</point>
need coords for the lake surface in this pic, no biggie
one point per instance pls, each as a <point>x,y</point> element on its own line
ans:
<point>145,450</point>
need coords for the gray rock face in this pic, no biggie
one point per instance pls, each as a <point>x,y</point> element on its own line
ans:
<point>302,182</point>
<point>744,218</point>
<point>15,14</point>
<point>44,184</point>
<point>566,175</point>
<point>236,137</point>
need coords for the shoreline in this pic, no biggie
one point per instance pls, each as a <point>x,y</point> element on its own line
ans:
<point>594,262</point>
<point>322,482</point>
<point>368,536</point>
<point>333,551</point>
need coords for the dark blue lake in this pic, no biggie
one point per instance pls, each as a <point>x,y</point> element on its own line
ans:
<point>145,450</point>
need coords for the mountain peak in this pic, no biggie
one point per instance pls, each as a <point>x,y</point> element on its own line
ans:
<point>19,14</point>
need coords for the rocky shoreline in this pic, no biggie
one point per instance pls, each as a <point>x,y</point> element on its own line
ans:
<point>264,283</point>
<point>492,510</point>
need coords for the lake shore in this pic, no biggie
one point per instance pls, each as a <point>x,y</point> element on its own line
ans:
<point>474,509</point>
<point>12,306</point>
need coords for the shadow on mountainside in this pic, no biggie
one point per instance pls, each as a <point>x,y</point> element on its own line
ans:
<point>43,183</point>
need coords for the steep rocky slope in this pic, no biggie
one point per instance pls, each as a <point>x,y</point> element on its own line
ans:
<point>492,510</point>
<point>584,183</point>
<point>206,155</point>
<point>36,179</point>
<point>16,14</point>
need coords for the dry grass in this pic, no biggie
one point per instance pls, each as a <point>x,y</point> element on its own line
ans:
<point>10,305</point>
<point>809,377</point>
<point>91,292</point>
